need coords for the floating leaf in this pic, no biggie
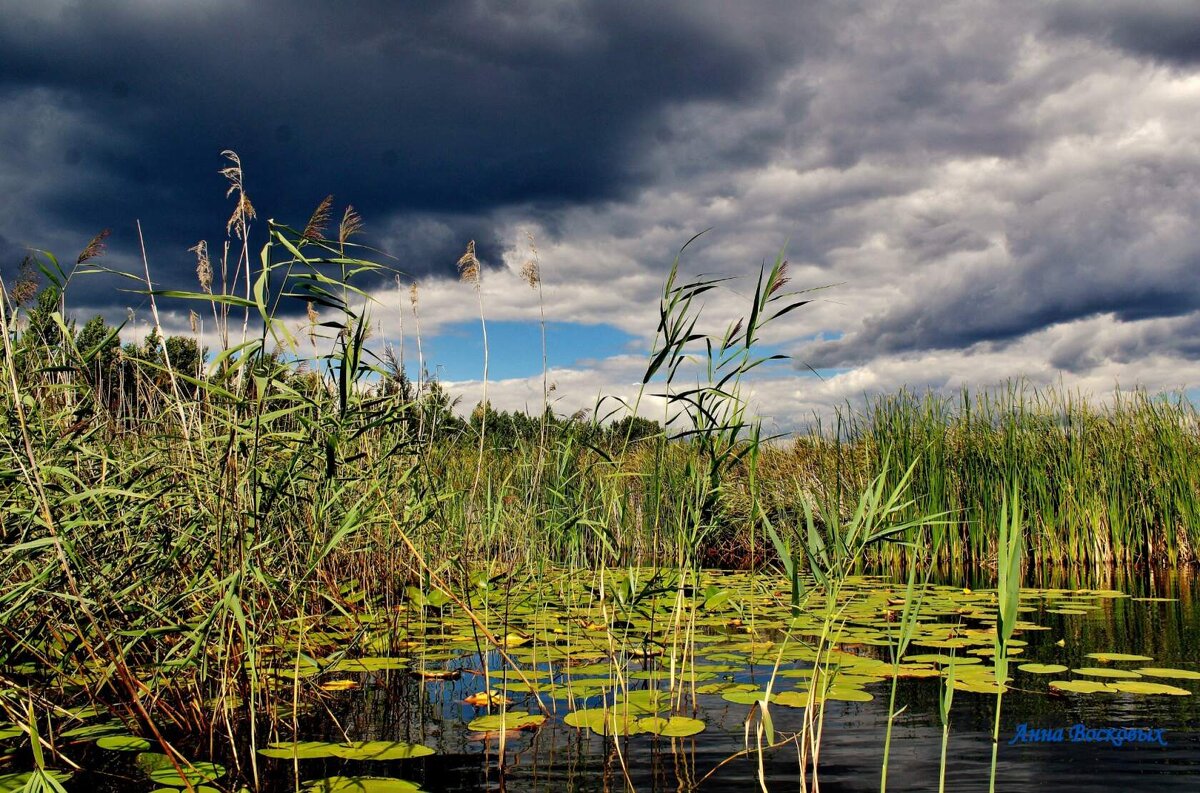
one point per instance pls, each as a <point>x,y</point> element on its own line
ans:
<point>1097,671</point>
<point>1080,686</point>
<point>1108,657</point>
<point>123,743</point>
<point>1042,669</point>
<point>372,664</point>
<point>1174,674</point>
<point>746,697</point>
<point>511,721</point>
<point>673,727</point>
<point>89,731</point>
<point>1144,687</point>
<point>360,784</point>
<point>359,750</point>
<point>194,774</point>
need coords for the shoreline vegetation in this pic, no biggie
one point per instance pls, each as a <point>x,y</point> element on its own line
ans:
<point>172,516</point>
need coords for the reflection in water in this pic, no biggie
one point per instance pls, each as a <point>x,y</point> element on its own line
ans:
<point>395,706</point>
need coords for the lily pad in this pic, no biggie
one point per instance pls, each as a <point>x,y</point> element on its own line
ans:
<point>509,721</point>
<point>1042,669</point>
<point>1096,671</point>
<point>1143,687</point>
<point>604,721</point>
<point>1080,686</point>
<point>673,727</point>
<point>195,774</point>
<point>360,784</point>
<point>123,743</point>
<point>1109,657</point>
<point>359,750</point>
<point>1171,674</point>
<point>89,731</point>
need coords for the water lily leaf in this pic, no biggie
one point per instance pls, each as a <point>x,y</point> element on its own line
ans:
<point>1108,657</point>
<point>381,750</point>
<point>717,688</point>
<point>359,750</point>
<point>604,721</point>
<point>1173,674</point>
<point>123,743</point>
<point>371,664</point>
<point>1097,671</point>
<point>89,731</point>
<point>644,702</point>
<point>1042,669</point>
<point>299,750</point>
<point>360,784</point>
<point>509,721</point>
<point>1144,687</point>
<point>673,727</point>
<point>150,762</point>
<point>195,774</point>
<point>792,699</point>
<point>747,697</point>
<point>1080,686</point>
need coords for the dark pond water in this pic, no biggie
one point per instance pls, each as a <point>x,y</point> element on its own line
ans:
<point>1156,617</point>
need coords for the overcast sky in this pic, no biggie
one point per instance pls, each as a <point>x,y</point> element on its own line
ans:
<point>990,189</point>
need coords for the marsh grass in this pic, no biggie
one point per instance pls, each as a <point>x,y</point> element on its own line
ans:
<point>183,536</point>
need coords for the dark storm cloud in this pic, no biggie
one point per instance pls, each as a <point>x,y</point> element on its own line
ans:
<point>450,109</point>
<point>1115,240</point>
<point>1165,30</point>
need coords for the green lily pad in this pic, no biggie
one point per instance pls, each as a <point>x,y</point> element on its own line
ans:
<point>604,721</point>
<point>1096,671</point>
<point>299,750</point>
<point>1143,687</point>
<point>718,688</point>
<point>1080,686</point>
<point>673,727</point>
<point>195,774</point>
<point>123,743</point>
<point>792,699</point>
<point>746,697</point>
<point>1171,674</point>
<point>89,731</point>
<point>1042,669</point>
<point>1108,657</point>
<point>360,784</point>
<point>509,721</point>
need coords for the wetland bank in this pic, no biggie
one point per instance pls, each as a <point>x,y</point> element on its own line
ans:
<point>281,563</point>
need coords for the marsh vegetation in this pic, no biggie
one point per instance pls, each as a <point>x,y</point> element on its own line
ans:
<point>285,561</point>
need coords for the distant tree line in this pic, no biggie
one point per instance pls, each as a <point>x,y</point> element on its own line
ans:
<point>130,382</point>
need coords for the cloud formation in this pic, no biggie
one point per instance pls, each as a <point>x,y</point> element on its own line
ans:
<point>997,189</point>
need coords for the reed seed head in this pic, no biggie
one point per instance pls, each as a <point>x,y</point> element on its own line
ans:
<point>243,212</point>
<point>315,228</point>
<point>204,273</point>
<point>468,266</point>
<point>26,285</point>
<point>351,224</point>
<point>94,249</point>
